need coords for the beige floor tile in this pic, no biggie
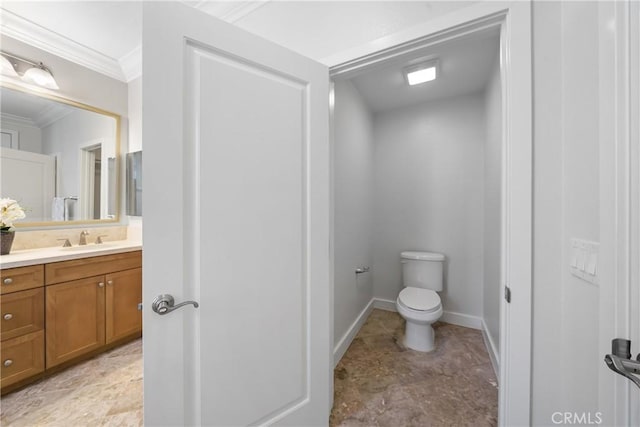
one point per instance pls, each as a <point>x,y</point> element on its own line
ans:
<point>105,390</point>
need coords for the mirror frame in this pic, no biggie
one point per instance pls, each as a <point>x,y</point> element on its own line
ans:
<point>44,93</point>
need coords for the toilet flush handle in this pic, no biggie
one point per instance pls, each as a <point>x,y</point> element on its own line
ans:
<point>164,304</point>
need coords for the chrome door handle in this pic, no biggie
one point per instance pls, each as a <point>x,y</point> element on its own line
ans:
<point>164,304</point>
<point>620,360</point>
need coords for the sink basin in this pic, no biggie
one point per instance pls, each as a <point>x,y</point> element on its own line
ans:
<point>89,247</point>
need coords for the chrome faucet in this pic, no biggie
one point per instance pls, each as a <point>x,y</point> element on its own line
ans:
<point>83,237</point>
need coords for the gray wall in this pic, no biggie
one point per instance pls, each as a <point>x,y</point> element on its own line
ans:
<point>492,209</point>
<point>353,177</point>
<point>429,195</point>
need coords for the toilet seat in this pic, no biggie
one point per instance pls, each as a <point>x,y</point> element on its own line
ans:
<point>422,300</point>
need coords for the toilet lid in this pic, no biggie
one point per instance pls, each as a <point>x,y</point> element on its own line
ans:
<point>419,299</point>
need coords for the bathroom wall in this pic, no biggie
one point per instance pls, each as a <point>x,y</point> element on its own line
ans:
<point>353,202</point>
<point>492,208</point>
<point>135,143</point>
<point>429,195</point>
<point>75,81</point>
<point>30,135</point>
<point>134,91</point>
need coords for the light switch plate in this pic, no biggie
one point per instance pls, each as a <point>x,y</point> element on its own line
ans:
<point>584,260</point>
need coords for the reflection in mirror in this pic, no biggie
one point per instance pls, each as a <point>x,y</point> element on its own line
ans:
<point>134,183</point>
<point>58,158</point>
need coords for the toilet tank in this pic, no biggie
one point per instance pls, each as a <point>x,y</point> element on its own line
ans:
<point>422,270</point>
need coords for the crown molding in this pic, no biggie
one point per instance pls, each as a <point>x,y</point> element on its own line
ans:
<point>131,64</point>
<point>15,26</point>
<point>17,120</point>
<point>51,114</point>
<point>229,11</point>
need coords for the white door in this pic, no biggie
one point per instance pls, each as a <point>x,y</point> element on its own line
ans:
<point>28,178</point>
<point>236,203</point>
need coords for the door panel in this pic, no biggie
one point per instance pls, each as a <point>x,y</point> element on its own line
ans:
<point>249,171</point>
<point>254,201</point>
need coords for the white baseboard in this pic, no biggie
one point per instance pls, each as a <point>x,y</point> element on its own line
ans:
<point>340,349</point>
<point>459,319</point>
<point>492,349</point>
<point>384,304</point>
<point>466,320</point>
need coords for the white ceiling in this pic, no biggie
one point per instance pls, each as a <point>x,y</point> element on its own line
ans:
<point>31,109</point>
<point>465,66</point>
<point>105,35</point>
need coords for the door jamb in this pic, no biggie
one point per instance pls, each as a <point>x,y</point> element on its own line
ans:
<point>514,20</point>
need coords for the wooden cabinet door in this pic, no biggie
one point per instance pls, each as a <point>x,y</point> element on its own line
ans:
<point>75,319</point>
<point>124,293</point>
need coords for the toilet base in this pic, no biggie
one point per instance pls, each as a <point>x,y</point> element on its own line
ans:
<point>419,336</point>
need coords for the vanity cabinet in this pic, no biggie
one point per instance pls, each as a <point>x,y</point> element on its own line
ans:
<point>85,311</point>
<point>124,293</point>
<point>56,313</point>
<point>21,323</point>
<point>75,319</point>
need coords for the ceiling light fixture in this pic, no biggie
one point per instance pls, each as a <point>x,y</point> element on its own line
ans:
<point>29,71</point>
<point>421,73</point>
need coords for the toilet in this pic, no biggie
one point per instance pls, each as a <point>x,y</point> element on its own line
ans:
<point>418,302</point>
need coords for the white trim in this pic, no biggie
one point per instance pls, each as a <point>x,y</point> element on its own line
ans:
<point>451,317</point>
<point>384,304</point>
<point>131,64</point>
<point>17,120</point>
<point>492,349</point>
<point>229,11</point>
<point>15,138</point>
<point>437,28</point>
<point>341,348</point>
<point>461,319</point>
<point>16,27</point>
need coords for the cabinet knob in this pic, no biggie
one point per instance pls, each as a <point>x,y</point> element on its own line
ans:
<point>8,316</point>
<point>101,285</point>
<point>8,281</point>
<point>8,362</point>
<point>109,282</point>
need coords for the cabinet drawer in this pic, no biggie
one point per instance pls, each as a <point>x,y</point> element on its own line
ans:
<point>64,271</point>
<point>21,278</point>
<point>22,357</point>
<point>21,313</point>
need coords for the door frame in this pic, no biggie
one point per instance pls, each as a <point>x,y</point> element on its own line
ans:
<point>514,21</point>
<point>619,253</point>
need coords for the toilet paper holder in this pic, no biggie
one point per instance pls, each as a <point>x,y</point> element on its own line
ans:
<point>360,270</point>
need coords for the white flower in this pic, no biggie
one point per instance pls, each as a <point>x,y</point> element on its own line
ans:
<point>10,211</point>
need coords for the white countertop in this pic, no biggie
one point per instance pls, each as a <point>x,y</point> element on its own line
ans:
<point>45,255</point>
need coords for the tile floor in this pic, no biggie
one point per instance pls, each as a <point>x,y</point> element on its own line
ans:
<point>379,382</point>
<point>103,391</point>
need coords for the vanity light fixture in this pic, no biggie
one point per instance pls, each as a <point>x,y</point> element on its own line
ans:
<point>421,73</point>
<point>29,71</point>
<point>6,68</point>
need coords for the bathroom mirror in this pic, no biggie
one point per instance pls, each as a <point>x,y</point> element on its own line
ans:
<point>59,159</point>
